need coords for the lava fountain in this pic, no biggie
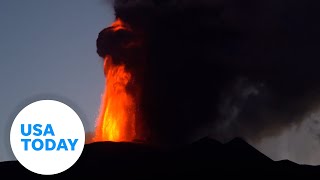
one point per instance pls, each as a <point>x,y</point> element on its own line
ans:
<point>117,116</point>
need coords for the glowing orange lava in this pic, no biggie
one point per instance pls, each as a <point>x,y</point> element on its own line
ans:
<point>116,121</point>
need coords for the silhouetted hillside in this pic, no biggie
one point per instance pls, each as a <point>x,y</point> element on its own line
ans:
<point>204,158</point>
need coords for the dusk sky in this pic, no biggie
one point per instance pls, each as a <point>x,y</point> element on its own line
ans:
<point>48,50</point>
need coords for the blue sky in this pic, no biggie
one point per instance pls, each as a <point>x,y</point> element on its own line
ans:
<point>47,50</point>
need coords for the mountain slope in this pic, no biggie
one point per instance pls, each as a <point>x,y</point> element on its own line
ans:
<point>203,158</point>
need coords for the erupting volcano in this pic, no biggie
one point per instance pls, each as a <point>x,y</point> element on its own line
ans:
<point>116,121</point>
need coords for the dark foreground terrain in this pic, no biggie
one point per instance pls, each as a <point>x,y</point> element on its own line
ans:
<point>205,158</point>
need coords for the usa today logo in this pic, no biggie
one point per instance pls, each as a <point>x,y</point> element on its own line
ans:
<point>47,137</point>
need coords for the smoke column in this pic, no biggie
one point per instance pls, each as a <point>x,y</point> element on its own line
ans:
<point>234,68</point>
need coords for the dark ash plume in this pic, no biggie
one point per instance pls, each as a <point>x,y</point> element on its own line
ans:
<point>247,68</point>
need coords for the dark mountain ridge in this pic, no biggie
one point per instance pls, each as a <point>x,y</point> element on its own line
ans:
<point>203,158</point>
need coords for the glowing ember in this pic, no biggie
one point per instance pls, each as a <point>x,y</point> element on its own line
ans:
<point>118,25</point>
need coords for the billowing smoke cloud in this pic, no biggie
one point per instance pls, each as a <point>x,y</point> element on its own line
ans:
<point>244,68</point>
